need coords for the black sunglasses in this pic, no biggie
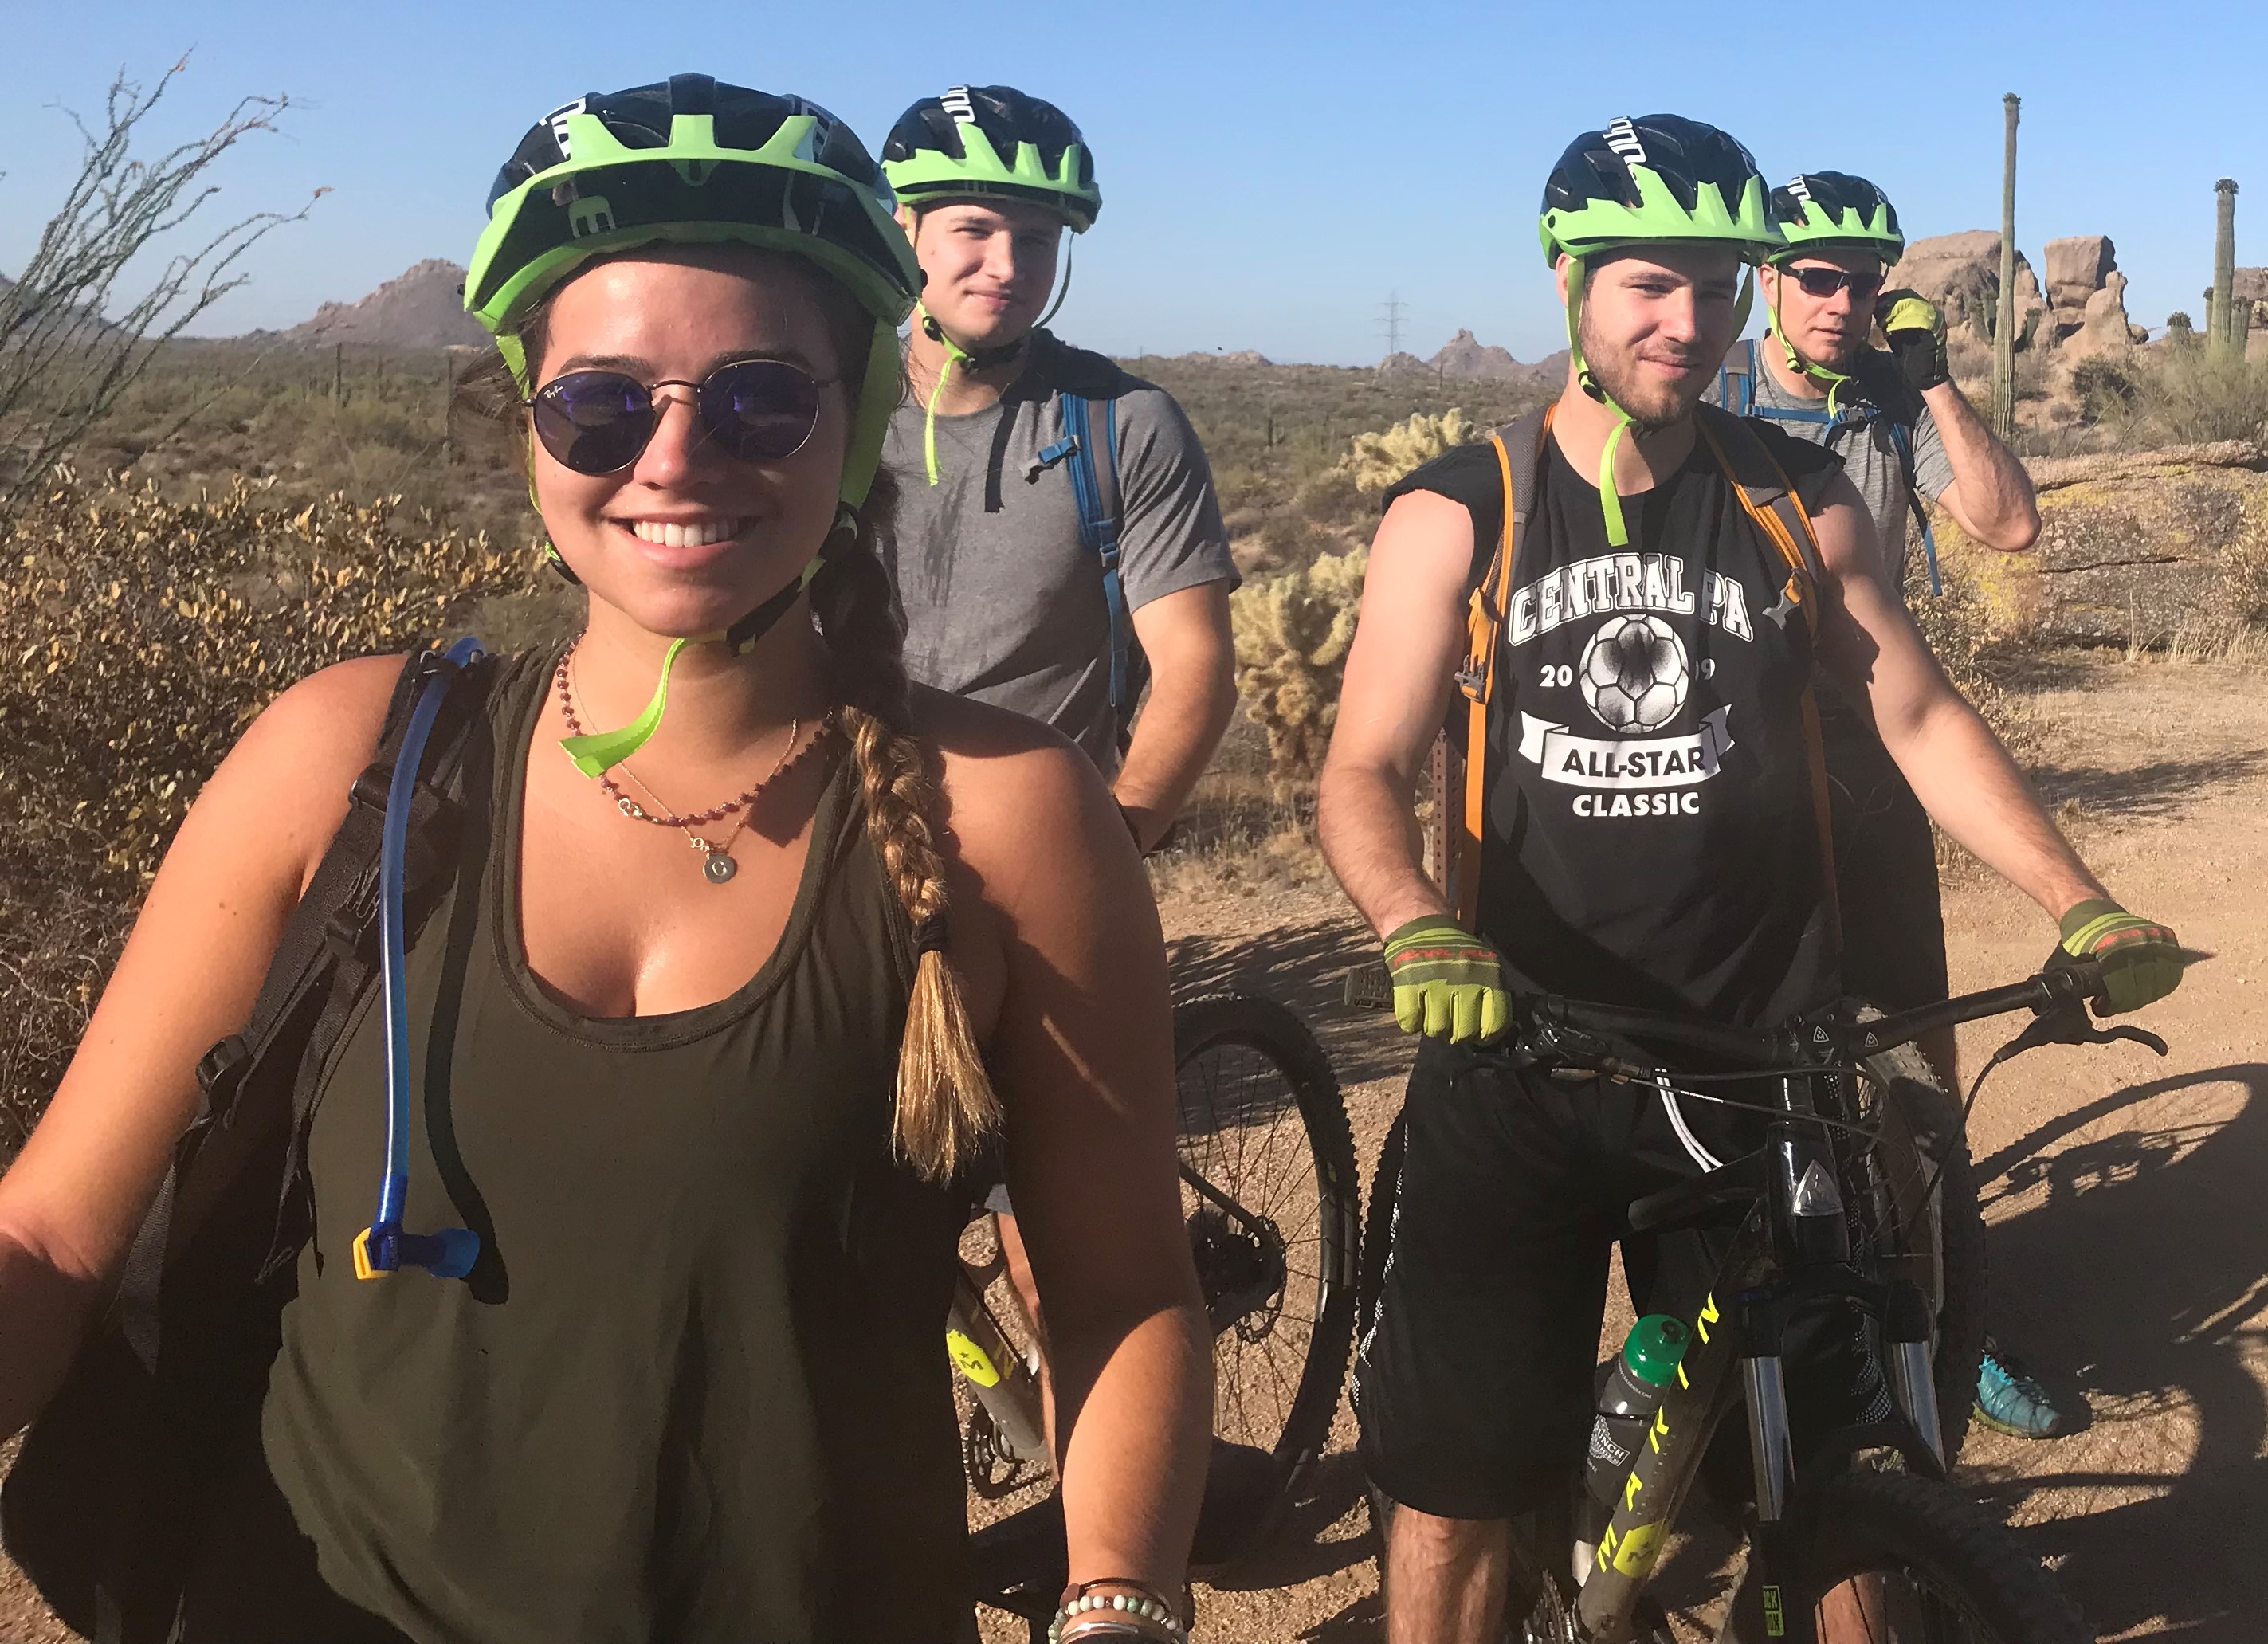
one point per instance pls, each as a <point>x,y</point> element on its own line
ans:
<point>1826,282</point>
<point>600,421</point>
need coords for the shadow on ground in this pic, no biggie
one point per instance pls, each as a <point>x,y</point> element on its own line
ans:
<point>1305,967</point>
<point>2161,789</point>
<point>2148,1264</point>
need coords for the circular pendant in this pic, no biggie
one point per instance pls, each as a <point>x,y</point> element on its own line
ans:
<point>720,867</point>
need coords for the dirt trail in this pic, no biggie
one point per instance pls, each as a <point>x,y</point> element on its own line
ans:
<point>2129,1249</point>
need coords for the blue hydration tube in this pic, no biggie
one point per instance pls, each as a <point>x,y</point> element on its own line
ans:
<point>383,1247</point>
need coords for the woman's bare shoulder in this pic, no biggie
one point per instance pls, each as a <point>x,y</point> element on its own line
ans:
<point>1009,778</point>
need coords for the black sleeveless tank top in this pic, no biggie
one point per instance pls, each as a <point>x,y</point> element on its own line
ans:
<point>1649,836</point>
<point>695,1387</point>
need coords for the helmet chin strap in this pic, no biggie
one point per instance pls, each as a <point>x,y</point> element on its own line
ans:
<point>1610,502</point>
<point>1802,367</point>
<point>976,359</point>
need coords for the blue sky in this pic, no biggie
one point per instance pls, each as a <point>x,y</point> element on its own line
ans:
<point>1271,172</point>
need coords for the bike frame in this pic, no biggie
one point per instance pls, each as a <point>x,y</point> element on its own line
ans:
<point>1793,1245</point>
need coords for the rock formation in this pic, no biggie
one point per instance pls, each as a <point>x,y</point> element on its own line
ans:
<point>1961,274</point>
<point>423,307</point>
<point>2133,546</point>
<point>1465,357</point>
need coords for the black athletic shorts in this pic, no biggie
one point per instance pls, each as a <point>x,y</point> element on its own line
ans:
<point>1885,867</point>
<point>1474,1382</point>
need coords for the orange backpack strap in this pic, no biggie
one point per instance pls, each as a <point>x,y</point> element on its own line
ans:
<point>1768,497</point>
<point>1461,763</point>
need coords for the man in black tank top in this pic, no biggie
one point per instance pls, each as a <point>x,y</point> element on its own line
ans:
<point>1648,833</point>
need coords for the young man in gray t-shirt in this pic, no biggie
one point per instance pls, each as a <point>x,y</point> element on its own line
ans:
<point>1905,431</point>
<point>1003,600</point>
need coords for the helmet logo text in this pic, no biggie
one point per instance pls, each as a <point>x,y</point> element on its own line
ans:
<point>959,104</point>
<point>557,121</point>
<point>590,216</point>
<point>1621,137</point>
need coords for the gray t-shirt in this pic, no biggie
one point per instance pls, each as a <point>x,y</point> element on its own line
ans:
<point>1875,398</point>
<point>1003,601</point>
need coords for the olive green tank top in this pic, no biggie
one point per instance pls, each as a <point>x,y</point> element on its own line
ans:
<point>696,1387</point>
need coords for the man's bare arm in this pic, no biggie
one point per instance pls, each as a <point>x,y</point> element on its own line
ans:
<point>1958,769</point>
<point>1991,497</point>
<point>1399,674</point>
<point>1192,694</point>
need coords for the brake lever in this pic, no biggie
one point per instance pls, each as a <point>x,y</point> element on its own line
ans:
<point>2068,1024</point>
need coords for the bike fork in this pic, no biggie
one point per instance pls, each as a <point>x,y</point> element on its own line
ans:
<point>1761,1612</point>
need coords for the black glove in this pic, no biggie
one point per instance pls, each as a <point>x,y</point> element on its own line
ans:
<point>1915,331</point>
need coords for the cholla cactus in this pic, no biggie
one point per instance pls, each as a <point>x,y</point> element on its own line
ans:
<point>1378,460</point>
<point>1292,632</point>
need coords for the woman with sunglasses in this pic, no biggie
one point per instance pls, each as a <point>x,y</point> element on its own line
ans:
<point>710,1021</point>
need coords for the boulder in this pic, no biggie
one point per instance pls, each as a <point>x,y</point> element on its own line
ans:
<point>1961,274</point>
<point>2078,265</point>
<point>2133,547</point>
<point>2103,326</point>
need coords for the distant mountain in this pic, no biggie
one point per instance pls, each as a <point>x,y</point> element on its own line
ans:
<point>423,307</point>
<point>1466,356</point>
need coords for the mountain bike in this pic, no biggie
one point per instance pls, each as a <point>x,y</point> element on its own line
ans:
<point>1271,1201</point>
<point>1856,1528</point>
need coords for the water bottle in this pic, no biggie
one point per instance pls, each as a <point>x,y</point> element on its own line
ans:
<point>1635,1385</point>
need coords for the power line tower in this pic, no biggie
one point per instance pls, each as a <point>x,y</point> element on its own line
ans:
<point>1390,314</point>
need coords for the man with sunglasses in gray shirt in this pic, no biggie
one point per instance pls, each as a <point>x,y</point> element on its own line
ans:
<point>1906,434</point>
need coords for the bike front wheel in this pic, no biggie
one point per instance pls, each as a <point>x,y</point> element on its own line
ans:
<point>1271,1200</point>
<point>1892,1559</point>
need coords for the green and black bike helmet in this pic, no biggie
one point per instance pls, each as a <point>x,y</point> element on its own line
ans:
<point>993,142</point>
<point>1824,210</point>
<point>1830,210</point>
<point>989,142</point>
<point>690,161</point>
<point>1655,179</point>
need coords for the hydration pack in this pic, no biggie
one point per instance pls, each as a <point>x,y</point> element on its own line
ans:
<point>104,1506</point>
<point>1736,392</point>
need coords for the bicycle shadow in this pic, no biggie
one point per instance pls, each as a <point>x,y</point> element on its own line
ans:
<point>1303,967</point>
<point>2145,1273</point>
<point>1300,1549</point>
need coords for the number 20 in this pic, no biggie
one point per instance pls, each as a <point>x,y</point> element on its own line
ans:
<point>1557,673</point>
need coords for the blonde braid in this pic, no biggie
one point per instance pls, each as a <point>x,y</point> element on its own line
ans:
<point>945,1106</point>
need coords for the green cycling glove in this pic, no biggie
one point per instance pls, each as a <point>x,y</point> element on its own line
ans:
<point>2141,961</point>
<point>1915,331</point>
<point>1448,984</point>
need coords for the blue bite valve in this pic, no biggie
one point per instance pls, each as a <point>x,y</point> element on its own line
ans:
<point>448,1254</point>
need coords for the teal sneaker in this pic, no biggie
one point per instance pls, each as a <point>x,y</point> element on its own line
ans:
<point>2009,1400</point>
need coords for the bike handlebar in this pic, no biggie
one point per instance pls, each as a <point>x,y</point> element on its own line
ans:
<point>1805,1042</point>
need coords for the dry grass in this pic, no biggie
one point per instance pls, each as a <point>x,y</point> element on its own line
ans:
<point>139,636</point>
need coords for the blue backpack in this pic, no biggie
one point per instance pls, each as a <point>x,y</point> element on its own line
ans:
<point>1736,392</point>
<point>1093,467</point>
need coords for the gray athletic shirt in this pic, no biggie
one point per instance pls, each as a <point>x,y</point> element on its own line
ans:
<point>1874,398</point>
<point>1003,601</point>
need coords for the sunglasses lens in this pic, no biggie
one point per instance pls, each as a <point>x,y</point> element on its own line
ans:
<point>760,410</point>
<point>594,421</point>
<point>1827,282</point>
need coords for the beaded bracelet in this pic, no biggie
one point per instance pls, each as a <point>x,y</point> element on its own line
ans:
<point>1138,1614</point>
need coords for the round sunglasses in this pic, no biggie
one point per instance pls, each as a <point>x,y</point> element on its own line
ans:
<point>601,422</point>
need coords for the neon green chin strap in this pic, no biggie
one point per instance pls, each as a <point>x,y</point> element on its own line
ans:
<point>954,355</point>
<point>1610,501</point>
<point>1802,367</point>
<point>601,751</point>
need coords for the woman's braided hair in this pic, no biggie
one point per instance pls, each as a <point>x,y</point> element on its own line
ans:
<point>945,1106</point>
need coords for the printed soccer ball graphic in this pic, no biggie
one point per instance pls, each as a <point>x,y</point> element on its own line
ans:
<point>1635,675</point>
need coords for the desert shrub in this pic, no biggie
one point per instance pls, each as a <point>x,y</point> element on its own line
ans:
<point>2104,387</point>
<point>2188,396</point>
<point>1293,631</point>
<point>138,637</point>
<point>1376,460</point>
